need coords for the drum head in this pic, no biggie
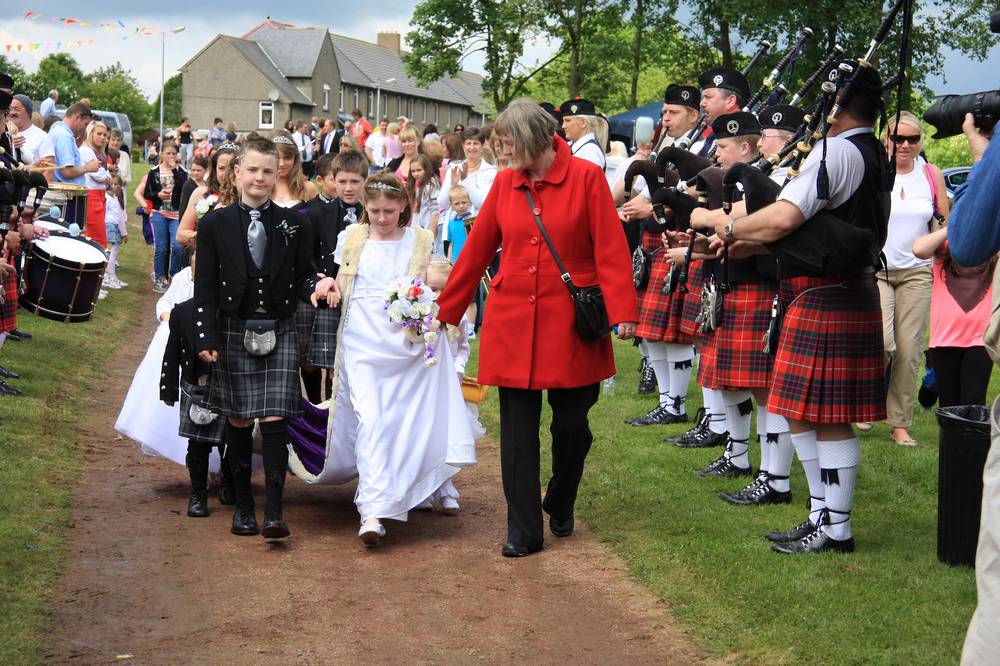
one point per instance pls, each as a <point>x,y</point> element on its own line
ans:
<point>73,251</point>
<point>51,226</point>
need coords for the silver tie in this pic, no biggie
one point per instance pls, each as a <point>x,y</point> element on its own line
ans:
<point>256,238</point>
<point>351,216</point>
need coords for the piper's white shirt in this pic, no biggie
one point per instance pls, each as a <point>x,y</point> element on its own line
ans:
<point>586,147</point>
<point>845,167</point>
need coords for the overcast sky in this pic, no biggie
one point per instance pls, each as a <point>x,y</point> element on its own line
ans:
<point>203,20</point>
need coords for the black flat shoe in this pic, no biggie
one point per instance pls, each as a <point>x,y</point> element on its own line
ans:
<point>759,494</point>
<point>561,527</point>
<point>513,550</point>
<point>724,470</point>
<point>701,423</point>
<point>800,531</point>
<point>815,542</point>
<point>198,504</point>
<point>244,521</point>
<point>8,374</point>
<point>11,335</point>
<point>274,528</point>
<point>22,334</point>
<point>647,383</point>
<point>8,390</point>
<point>704,440</point>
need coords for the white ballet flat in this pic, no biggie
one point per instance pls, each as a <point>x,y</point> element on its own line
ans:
<point>426,505</point>
<point>371,534</point>
<point>449,506</point>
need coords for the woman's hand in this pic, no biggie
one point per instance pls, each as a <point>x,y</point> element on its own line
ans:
<point>626,330</point>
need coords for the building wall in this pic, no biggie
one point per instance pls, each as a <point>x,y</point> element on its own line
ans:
<point>220,82</point>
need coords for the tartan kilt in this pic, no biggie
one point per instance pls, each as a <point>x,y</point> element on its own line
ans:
<point>659,313</point>
<point>305,315</point>
<point>830,366</point>
<point>8,309</point>
<point>707,360</point>
<point>323,348</point>
<point>188,429</point>
<point>692,300</point>
<point>250,387</point>
<point>746,313</point>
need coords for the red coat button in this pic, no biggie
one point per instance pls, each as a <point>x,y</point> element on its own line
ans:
<point>531,299</point>
<point>533,240</point>
<point>531,270</point>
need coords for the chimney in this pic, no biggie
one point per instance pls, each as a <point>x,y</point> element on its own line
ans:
<point>389,40</point>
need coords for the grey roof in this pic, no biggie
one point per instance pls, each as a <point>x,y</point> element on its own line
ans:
<point>257,57</point>
<point>294,49</point>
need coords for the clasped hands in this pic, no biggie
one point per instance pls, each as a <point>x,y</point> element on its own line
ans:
<point>326,290</point>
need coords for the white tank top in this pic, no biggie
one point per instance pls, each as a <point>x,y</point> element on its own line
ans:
<point>912,209</point>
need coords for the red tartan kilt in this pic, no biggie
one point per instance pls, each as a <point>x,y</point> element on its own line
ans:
<point>692,300</point>
<point>8,310</point>
<point>830,366</point>
<point>707,361</point>
<point>746,312</point>
<point>659,314</point>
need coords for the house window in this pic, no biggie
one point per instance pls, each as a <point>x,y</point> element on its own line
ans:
<point>371,103</point>
<point>265,115</point>
<point>340,107</point>
<point>424,104</point>
<point>326,96</point>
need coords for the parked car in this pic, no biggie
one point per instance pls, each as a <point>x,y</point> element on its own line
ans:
<point>954,177</point>
<point>112,120</point>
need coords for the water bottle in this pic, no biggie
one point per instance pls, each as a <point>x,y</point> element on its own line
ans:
<point>608,385</point>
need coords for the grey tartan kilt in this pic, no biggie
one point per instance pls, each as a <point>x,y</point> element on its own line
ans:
<point>305,316</point>
<point>188,429</point>
<point>250,387</point>
<point>323,348</point>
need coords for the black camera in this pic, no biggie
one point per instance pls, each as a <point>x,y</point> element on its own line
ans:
<point>947,113</point>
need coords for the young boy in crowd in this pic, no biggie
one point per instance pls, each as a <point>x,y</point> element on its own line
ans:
<point>341,178</point>
<point>461,207</point>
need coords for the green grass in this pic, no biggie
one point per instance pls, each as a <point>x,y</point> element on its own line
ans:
<point>890,602</point>
<point>39,455</point>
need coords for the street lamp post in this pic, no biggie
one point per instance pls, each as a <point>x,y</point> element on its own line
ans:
<point>378,97</point>
<point>163,70</point>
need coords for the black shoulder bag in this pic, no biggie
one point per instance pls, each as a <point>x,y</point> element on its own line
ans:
<point>591,313</point>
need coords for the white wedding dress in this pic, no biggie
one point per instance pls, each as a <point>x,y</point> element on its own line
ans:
<point>143,417</point>
<point>399,426</point>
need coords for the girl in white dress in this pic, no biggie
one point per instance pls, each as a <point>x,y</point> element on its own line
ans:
<point>400,424</point>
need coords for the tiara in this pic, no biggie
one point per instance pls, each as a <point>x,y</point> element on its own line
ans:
<point>227,146</point>
<point>382,186</point>
<point>281,138</point>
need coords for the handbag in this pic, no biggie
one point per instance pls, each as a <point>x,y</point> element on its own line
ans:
<point>259,337</point>
<point>591,313</point>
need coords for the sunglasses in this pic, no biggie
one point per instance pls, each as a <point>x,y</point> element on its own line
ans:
<point>912,139</point>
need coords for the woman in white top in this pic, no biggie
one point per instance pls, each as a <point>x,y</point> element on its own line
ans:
<point>905,286</point>
<point>95,147</point>
<point>473,173</point>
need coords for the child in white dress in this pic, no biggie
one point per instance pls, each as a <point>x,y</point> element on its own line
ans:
<point>398,424</point>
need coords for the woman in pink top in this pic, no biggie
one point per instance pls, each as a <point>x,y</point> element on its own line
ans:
<point>961,304</point>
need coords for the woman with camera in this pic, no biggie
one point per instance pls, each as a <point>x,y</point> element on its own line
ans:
<point>918,201</point>
<point>530,341</point>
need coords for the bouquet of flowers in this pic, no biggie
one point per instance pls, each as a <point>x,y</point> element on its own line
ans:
<point>413,305</point>
<point>205,205</point>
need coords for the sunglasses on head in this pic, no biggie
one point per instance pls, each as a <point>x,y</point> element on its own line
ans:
<point>912,139</point>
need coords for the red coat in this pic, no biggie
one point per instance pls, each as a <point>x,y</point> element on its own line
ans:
<point>528,335</point>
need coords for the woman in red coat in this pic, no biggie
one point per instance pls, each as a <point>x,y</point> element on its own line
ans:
<point>529,342</point>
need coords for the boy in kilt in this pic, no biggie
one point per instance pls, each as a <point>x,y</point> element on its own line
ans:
<point>668,351</point>
<point>254,265</point>
<point>184,377</point>
<point>338,205</point>
<point>828,370</point>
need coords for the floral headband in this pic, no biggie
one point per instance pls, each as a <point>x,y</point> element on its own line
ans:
<point>281,138</point>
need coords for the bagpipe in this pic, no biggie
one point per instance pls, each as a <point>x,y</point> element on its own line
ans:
<point>772,90</point>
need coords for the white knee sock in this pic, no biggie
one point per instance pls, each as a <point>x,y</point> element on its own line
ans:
<point>806,450</point>
<point>717,408</point>
<point>839,461</point>
<point>643,348</point>
<point>765,448</point>
<point>739,409</point>
<point>3,337</point>
<point>780,445</point>
<point>680,358</point>
<point>657,358</point>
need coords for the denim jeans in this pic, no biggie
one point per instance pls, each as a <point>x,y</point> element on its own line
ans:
<point>165,235</point>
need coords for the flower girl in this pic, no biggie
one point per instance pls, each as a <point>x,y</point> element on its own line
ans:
<point>398,416</point>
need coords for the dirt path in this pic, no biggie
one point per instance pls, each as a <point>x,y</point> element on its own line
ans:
<point>144,580</point>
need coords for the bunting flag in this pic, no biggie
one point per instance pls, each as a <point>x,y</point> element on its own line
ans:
<point>117,23</point>
<point>31,47</point>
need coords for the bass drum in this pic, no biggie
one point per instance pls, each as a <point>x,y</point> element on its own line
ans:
<point>62,277</point>
<point>65,203</point>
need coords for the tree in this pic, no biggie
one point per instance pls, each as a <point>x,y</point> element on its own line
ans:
<point>447,32</point>
<point>113,88</point>
<point>172,103</point>
<point>57,71</point>
<point>13,69</point>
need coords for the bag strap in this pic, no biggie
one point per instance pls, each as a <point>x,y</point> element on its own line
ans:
<point>932,181</point>
<point>564,274</point>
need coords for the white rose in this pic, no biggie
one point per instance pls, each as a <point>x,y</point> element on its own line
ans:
<point>430,337</point>
<point>395,312</point>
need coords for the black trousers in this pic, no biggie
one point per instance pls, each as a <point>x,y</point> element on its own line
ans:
<point>520,419</point>
<point>963,374</point>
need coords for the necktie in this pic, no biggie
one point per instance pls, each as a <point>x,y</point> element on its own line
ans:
<point>351,216</point>
<point>256,238</point>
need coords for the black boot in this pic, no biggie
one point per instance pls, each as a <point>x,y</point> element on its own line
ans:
<point>227,494</point>
<point>313,382</point>
<point>239,441</point>
<point>275,445</point>
<point>197,464</point>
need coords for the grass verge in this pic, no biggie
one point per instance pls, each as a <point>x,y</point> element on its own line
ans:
<point>39,456</point>
<point>889,602</point>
